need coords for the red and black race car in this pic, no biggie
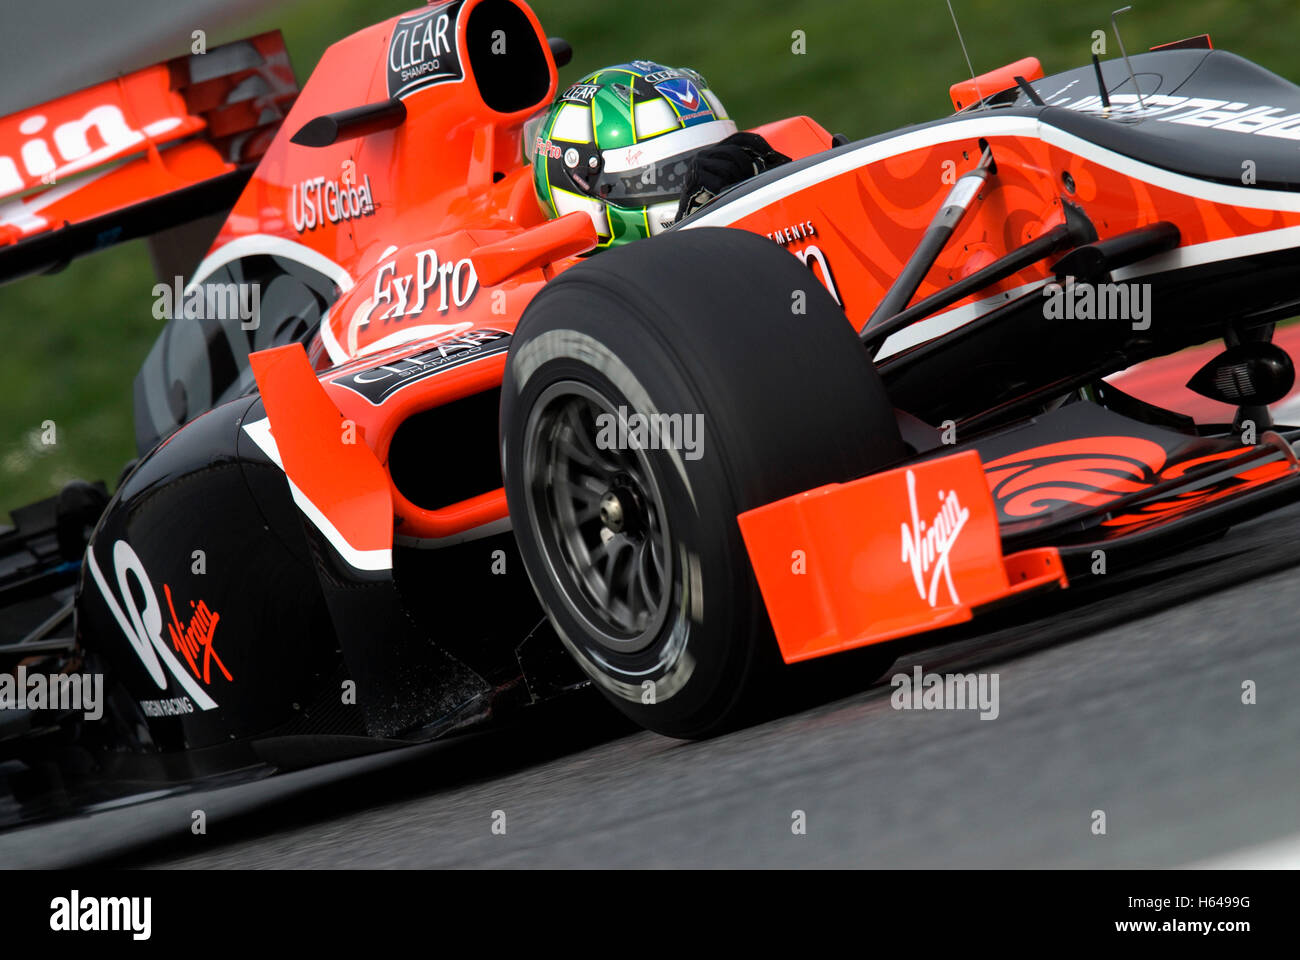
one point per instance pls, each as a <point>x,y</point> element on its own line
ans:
<point>449,464</point>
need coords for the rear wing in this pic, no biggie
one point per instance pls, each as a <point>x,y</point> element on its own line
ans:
<point>126,158</point>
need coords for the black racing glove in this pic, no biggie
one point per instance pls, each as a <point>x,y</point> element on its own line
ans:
<point>724,164</point>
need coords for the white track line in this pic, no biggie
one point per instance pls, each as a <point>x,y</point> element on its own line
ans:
<point>1281,854</point>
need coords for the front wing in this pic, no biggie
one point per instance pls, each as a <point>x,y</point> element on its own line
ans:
<point>932,543</point>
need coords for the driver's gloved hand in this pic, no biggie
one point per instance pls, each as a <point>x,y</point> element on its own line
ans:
<point>724,164</point>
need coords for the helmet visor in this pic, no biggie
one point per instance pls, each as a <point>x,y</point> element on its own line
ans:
<point>654,171</point>
<point>653,183</point>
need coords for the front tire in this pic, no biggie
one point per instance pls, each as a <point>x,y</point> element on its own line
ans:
<point>653,393</point>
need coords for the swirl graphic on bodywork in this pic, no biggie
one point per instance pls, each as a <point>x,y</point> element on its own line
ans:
<point>1091,472</point>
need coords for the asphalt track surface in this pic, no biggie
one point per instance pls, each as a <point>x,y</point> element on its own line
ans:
<point>1127,702</point>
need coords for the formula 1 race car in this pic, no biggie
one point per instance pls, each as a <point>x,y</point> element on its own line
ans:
<point>444,463</point>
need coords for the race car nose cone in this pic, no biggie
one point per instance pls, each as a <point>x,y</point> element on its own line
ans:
<point>611,512</point>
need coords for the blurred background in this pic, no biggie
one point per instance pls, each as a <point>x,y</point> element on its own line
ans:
<point>72,342</point>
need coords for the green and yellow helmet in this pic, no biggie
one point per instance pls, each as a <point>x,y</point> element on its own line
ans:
<point>616,146</point>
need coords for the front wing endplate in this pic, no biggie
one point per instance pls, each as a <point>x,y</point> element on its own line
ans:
<point>892,554</point>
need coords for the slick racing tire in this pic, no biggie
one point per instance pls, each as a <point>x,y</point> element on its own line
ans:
<point>652,393</point>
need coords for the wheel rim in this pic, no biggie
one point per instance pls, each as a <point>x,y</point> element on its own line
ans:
<point>597,512</point>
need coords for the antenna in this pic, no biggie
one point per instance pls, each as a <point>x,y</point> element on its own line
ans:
<point>1124,53</point>
<point>1101,84</point>
<point>973,81</point>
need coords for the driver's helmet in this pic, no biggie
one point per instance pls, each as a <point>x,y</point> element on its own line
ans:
<point>616,146</point>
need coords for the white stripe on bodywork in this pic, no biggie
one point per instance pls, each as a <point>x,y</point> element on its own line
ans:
<point>746,204</point>
<point>1186,256</point>
<point>942,323</point>
<point>425,331</point>
<point>381,559</point>
<point>490,529</point>
<point>265,244</point>
<point>1212,251</point>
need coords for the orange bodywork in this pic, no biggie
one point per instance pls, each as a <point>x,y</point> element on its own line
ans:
<point>383,421</point>
<point>886,556</point>
<point>966,92</point>
<point>431,229</point>
<point>431,234</point>
<point>889,204</point>
<point>332,473</point>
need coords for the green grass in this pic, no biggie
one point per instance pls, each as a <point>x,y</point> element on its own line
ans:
<point>73,342</point>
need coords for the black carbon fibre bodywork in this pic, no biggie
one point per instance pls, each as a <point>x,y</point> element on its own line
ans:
<point>204,549</point>
<point>185,529</point>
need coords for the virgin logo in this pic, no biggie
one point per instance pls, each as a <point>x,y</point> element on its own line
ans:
<point>101,134</point>
<point>134,605</point>
<point>928,547</point>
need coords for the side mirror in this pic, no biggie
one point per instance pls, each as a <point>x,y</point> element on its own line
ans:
<point>1247,375</point>
<point>966,92</point>
<point>561,51</point>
